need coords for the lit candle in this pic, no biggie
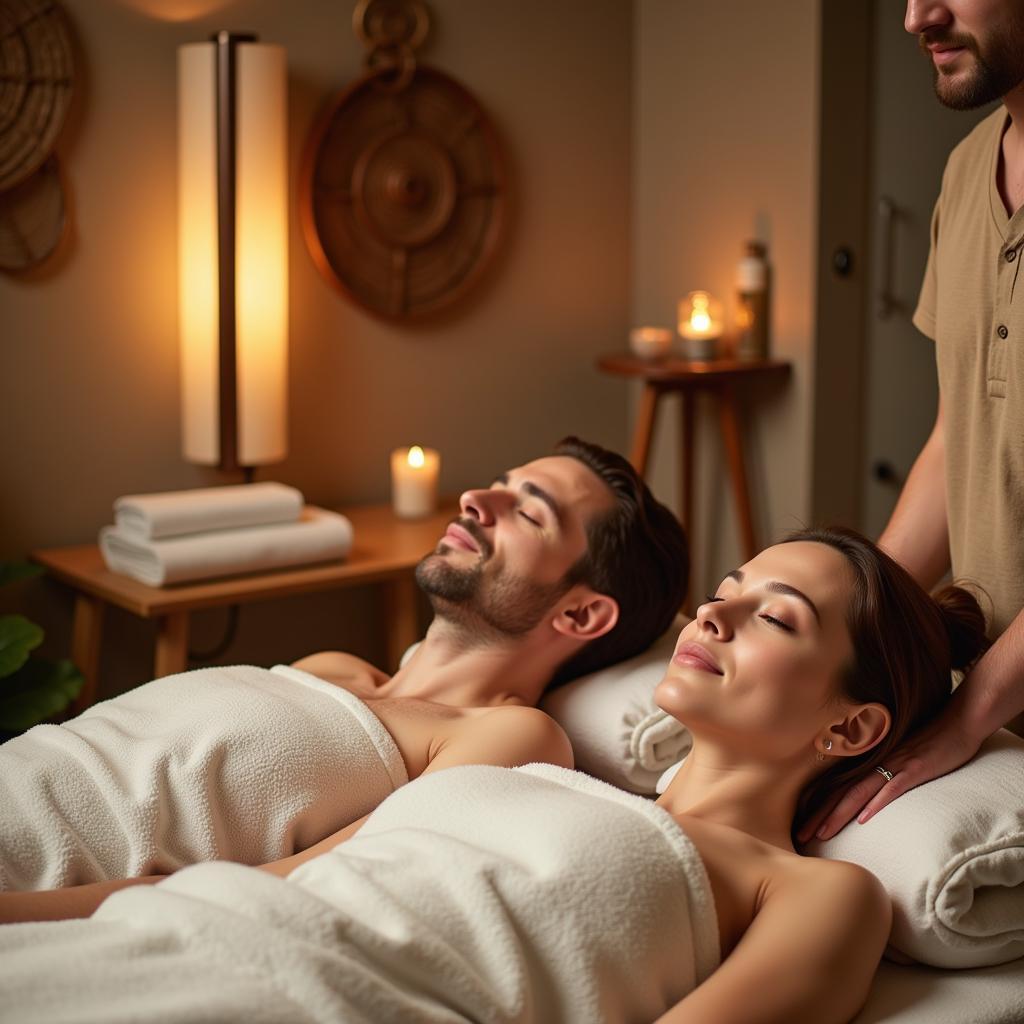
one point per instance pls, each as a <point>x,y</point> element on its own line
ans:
<point>414,473</point>
<point>700,324</point>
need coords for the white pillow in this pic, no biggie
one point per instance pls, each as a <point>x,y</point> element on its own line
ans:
<point>617,732</point>
<point>951,856</point>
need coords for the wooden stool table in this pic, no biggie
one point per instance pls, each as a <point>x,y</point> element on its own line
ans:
<point>385,550</point>
<point>717,378</point>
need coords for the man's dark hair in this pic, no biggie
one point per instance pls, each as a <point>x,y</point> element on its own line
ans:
<point>636,553</point>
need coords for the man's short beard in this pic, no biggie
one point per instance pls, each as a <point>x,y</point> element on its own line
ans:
<point>996,72</point>
<point>502,607</point>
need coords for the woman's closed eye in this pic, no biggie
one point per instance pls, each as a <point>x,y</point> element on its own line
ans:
<point>777,622</point>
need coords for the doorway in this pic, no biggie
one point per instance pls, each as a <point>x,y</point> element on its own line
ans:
<point>885,139</point>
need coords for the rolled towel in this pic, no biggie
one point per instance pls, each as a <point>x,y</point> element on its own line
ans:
<point>173,513</point>
<point>318,536</point>
<point>950,854</point>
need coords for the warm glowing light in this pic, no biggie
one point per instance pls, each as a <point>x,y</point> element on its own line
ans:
<point>261,253</point>
<point>700,325</point>
<point>700,318</point>
<point>414,476</point>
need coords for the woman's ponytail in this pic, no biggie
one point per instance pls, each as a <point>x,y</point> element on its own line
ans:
<point>965,624</point>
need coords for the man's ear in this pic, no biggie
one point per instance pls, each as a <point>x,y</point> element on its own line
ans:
<point>863,726</point>
<point>585,615</point>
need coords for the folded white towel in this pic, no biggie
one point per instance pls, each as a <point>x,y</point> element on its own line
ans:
<point>231,762</point>
<point>317,537</point>
<point>172,513</point>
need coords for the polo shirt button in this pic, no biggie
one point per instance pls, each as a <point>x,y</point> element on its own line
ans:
<point>1011,255</point>
<point>1002,331</point>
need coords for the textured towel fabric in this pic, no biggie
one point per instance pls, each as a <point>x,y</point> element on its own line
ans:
<point>951,856</point>
<point>171,513</point>
<point>317,537</point>
<point>923,995</point>
<point>523,895</point>
<point>236,763</point>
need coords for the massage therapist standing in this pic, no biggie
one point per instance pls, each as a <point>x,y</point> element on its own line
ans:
<point>963,503</point>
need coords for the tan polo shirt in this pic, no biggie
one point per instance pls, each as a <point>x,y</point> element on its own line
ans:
<point>971,306</point>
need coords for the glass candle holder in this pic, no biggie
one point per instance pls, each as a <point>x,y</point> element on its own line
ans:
<point>700,325</point>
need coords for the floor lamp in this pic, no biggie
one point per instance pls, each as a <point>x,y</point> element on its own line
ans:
<point>233,251</point>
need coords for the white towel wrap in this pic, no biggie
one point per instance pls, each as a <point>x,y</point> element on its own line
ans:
<point>511,896</point>
<point>239,763</point>
<point>318,536</point>
<point>171,513</point>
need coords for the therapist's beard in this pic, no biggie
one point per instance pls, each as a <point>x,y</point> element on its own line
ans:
<point>486,605</point>
<point>998,68</point>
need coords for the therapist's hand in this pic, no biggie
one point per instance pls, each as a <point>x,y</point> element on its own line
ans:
<point>936,750</point>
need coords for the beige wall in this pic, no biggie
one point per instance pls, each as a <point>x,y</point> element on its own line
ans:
<point>725,149</point>
<point>647,140</point>
<point>88,351</point>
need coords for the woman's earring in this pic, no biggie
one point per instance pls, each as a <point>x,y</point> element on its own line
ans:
<point>828,746</point>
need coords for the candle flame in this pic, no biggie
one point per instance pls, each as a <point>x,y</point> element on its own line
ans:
<point>416,457</point>
<point>699,320</point>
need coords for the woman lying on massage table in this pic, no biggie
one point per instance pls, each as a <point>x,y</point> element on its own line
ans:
<point>539,894</point>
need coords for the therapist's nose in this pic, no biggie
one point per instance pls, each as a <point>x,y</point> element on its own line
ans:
<point>925,14</point>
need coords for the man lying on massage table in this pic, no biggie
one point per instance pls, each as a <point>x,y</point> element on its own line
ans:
<point>562,566</point>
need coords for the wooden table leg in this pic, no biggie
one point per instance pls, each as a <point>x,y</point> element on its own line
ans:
<point>728,412</point>
<point>643,433</point>
<point>403,627</point>
<point>171,644</point>
<point>687,446</point>
<point>86,638</point>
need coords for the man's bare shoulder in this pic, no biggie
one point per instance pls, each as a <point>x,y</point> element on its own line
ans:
<point>344,670</point>
<point>519,734</point>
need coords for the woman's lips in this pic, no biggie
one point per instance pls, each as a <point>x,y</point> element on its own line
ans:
<point>694,655</point>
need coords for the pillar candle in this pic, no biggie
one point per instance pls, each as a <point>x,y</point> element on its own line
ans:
<point>414,473</point>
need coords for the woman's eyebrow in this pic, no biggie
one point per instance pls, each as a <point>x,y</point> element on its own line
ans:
<point>780,588</point>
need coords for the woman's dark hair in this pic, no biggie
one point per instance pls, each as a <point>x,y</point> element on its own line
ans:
<point>906,644</point>
<point>636,553</point>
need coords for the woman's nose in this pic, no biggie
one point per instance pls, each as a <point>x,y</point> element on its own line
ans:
<point>715,617</point>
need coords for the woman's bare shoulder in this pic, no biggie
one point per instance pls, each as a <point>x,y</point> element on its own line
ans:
<point>844,891</point>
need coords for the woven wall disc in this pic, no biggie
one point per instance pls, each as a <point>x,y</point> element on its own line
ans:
<point>32,220</point>
<point>36,77</point>
<point>404,194</point>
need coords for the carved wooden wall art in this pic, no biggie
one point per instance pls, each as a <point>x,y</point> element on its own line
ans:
<point>36,80</point>
<point>404,189</point>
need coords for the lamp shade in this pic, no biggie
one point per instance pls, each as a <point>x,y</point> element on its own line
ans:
<point>233,251</point>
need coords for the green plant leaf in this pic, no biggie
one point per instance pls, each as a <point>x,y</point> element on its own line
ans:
<point>12,572</point>
<point>37,691</point>
<point>17,637</point>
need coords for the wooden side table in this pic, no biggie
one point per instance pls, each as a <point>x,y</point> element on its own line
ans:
<point>717,378</point>
<point>385,551</point>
